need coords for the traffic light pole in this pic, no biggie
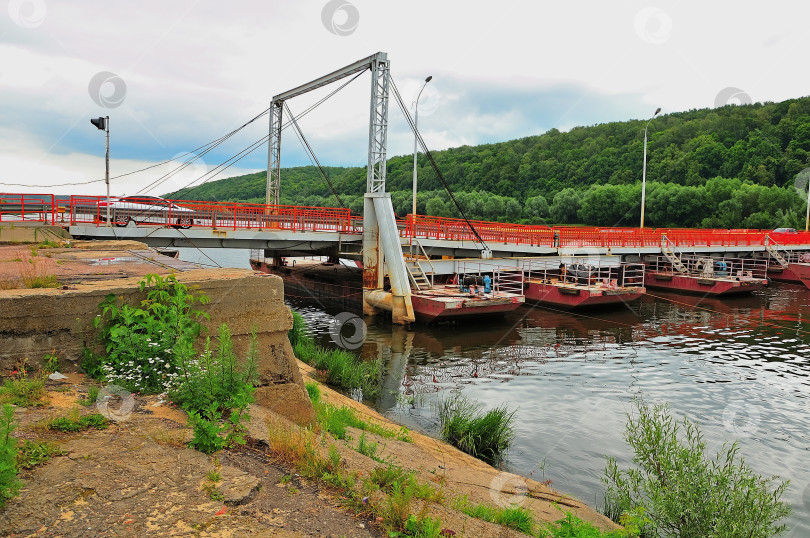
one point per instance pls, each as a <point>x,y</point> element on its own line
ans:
<point>107,169</point>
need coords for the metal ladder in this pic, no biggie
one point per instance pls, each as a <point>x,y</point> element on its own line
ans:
<point>676,262</point>
<point>774,253</point>
<point>419,278</point>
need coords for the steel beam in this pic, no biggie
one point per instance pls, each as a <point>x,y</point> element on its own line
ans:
<point>356,67</point>
<point>274,153</point>
<point>378,124</point>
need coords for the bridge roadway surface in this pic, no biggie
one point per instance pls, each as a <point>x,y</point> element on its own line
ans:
<point>300,231</point>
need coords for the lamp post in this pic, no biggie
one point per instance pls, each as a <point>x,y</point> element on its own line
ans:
<point>644,169</point>
<point>103,124</point>
<point>415,148</point>
<point>807,216</point>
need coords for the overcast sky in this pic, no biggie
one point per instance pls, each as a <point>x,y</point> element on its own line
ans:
<point>176,75</point>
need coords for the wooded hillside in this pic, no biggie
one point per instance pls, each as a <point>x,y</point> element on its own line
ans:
<point>730,167</point>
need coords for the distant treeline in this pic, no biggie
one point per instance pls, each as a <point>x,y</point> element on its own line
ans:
<point>730,167</point>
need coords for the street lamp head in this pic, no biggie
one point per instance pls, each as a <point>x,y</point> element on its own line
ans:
<point>430,77</point>
<point>657,110</point>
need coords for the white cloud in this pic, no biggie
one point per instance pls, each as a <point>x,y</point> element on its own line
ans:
<point>194,70</point>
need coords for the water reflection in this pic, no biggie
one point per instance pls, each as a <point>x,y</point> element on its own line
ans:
<point>739,366</point>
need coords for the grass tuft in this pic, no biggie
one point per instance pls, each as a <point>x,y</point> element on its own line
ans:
<point>75,423</point>
<point>33,453</point>
<point>340,368</point>
<point>483,435</point>
<point>24,392</point>
<point>517,518</point>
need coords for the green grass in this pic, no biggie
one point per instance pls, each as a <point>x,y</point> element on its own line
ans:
<point>92,396</point>
<point>335,419</point>
<point>78,423</point>
<point>483,435</point>
<point>367,448</point>
<point>516,517</point>
<point>33,453</point>
<point>23,392</point>
<point>338,367</point>
<point>41,281</point>
<point>9,483</point>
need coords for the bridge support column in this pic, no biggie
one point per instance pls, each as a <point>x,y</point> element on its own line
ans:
<point>382,254</point>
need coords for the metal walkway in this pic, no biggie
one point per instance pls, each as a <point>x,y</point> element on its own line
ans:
<point>297,230</point>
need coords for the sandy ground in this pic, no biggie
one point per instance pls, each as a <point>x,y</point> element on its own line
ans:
<point>82,261</point>
<point>138,478</point>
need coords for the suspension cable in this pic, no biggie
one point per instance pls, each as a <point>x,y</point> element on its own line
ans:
<point>251,148</point>
<point>312,155</point>
<point>433,164</point>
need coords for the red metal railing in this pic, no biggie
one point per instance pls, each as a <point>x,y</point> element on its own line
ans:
<point>28,208</point>
<point>46,208</point>
<point>420,226</point>
<point>425,227</point>
<point>219,215</point>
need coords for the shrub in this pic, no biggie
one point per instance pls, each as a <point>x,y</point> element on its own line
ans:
<point>215,391</point>
<point>9,484</point>
<point>145,345</point>
<point>684,492</point>
<point>483,435</point>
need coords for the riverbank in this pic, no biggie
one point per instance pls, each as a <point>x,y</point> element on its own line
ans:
<point>137,475</point>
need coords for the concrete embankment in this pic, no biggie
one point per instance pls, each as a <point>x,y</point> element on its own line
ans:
<point>35,322</point>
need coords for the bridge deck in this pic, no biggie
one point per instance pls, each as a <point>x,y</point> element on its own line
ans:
<point>304,230</point>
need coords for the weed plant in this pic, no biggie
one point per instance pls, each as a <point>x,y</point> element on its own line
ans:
<point>92,396</point>
<point>681,491</point>
<point>368,448</point>
<point>514,517</point>
<point>74,422</point>
<point>146,345</point>
<point>22,391</point>
<point>483,435</point>
<point>9,484</point>
<point>340,368</point>
<point>33,453</point>
<point>215,390</point>
<point>335,419</point>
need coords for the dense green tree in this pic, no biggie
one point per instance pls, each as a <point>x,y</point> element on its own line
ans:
<point>733,166</point>
<point>565,206</point>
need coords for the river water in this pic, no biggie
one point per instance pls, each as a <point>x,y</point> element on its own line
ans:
<point>739,366</point>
